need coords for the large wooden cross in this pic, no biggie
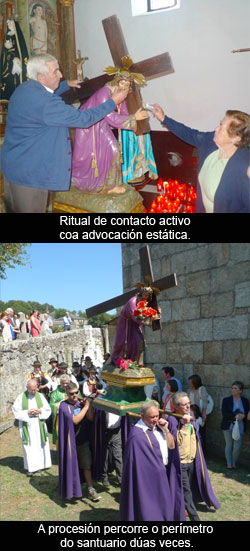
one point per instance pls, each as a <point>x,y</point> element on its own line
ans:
<point>151,68</point>
<point>162,284</point>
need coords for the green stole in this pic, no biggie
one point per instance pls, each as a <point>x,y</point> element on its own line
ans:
<point>43,430</point>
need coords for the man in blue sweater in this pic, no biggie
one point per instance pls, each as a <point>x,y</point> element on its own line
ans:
<point>36,154</point>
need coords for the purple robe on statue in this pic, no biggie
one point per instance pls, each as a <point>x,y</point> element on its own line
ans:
<point>145,493</point>
<point>202,488</point>
<point>100,141</point>
<point>69,476</point>
<point>129,335</point>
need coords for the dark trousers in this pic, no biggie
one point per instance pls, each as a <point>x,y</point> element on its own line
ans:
<point>187,477</point>
<point>113,451</point>
<point>24,199</point>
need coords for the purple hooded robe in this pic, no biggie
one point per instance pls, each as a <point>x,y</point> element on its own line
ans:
<point>69,476</point>
<point>99,140</point>
<point>129,336</point>
<point>145,493</point>
<point>202,487</point>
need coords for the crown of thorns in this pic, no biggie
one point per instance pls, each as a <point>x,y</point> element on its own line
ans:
<point>124,72</point>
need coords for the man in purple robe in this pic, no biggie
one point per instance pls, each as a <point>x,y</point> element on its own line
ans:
<point>129,340</point>
<point>145,492</point>
<point>73,444</point>
<point>187,471</point>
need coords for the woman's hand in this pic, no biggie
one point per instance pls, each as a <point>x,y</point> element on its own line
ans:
<point>158,112</point>
<point>140,114</point>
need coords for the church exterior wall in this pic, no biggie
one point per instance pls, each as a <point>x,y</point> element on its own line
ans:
<point>205,319</point>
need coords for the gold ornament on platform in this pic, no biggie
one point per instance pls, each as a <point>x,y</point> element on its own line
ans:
<point>66,3</point>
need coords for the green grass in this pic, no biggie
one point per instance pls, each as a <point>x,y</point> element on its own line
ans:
<point>36,498</point>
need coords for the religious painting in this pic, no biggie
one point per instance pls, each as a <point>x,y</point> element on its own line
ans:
<point>44,27</point>
<point>7,10</point>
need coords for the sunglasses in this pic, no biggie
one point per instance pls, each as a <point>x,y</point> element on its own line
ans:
<point>72,393</point>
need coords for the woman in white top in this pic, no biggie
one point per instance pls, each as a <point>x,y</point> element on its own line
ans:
<point>6,330</point>
<point>198,395</point>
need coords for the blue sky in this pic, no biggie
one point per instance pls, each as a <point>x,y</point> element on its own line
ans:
<point>73,276</point>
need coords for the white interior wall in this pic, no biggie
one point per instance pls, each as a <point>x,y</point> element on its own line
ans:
<point>208,78</point>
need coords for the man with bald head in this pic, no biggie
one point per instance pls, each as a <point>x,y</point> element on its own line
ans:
<point>145,492</point>
<point>31,409</point>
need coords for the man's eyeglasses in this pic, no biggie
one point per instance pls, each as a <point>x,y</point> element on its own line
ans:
<point>72,393</point>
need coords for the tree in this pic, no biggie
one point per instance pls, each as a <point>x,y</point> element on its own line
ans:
<point>11,254</point>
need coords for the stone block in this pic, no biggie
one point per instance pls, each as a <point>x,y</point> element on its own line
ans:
<point>165,265</point>
<point>211,375</point>
<point>217,305</point>
<point>156,354</point>
<point>169,332</point>
<point>239,252</point>
<point>183,353</point>
<point>232,352</point>
<point>179,291</point>
<point>245,351</point>
<point>212,352</point>
<point>225,278</point>
<point>188,370</point>
<point>195,330</point>
<point>166,310</point>
<point>232,373</point>
<point>242,294</point>
<point>152,337</point>
<point>186,309</point>
<point>198,284</point>
<point>235,327</point>
<point>201,258</point>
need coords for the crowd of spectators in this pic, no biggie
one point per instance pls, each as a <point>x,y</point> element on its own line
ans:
<point>13,326</point>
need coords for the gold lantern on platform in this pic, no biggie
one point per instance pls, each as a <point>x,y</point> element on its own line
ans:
<point>126,389</point>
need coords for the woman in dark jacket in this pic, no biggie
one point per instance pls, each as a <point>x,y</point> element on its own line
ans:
<point>234,407</point>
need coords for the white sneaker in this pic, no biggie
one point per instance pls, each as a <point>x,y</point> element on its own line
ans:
<point>93,494</point>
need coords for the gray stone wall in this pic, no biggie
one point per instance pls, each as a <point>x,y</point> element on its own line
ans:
<point>205,319</point>
<point>17,357</point>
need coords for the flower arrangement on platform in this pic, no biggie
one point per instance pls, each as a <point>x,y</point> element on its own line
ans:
<point>126,364</point>
<point>174,197</point>
<point>142,310</point>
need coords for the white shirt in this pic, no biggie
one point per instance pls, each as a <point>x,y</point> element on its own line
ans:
<point>159,436</point>
<point>113,421</point>
<point>67,320</point>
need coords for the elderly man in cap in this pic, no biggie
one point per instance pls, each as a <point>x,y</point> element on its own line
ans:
<point>32,409</point>
<point>43,380</point>
<point>54,373</point>
<point>77,372</point>
<point>63,367</point>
